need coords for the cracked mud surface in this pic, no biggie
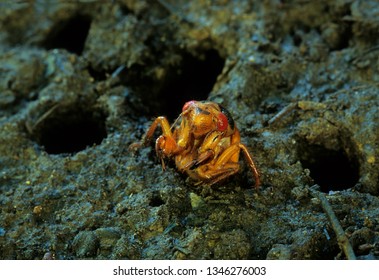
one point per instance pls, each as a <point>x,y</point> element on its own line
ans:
<point>80,82</point>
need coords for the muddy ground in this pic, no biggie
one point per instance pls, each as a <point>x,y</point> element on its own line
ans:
<point>80,82</point>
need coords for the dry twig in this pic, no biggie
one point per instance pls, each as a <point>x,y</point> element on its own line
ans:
<point>342,239</point>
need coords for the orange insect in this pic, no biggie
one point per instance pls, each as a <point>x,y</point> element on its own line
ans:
<point>204,142</point>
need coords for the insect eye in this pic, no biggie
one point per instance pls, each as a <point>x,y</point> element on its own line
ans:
<point>228,116</point>
<point>187,105</point>
<point>222,122</point>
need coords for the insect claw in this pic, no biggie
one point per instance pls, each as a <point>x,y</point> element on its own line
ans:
<point>134,147</point>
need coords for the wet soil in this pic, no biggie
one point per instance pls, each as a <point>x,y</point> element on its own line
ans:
<point>80,82</point>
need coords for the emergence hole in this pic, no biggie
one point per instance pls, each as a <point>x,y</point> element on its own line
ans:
<point>192,80</point>
<point>156,200</point>
<point>71,132</point>
<point>331,170</point>
<point>69,35</point>
<point>98,75</point>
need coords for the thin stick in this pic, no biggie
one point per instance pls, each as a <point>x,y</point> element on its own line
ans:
<point>342,239</point>
<point>31,128</point>
<point>290,107</point>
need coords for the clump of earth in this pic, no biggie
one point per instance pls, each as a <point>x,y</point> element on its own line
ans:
<point>80,82</point>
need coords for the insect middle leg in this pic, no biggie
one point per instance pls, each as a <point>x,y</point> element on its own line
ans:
<point>166,130</point>
<point>212,174</point>
<point>225,165</point>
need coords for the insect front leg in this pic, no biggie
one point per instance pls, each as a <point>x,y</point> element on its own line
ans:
<point>166,131</point>
<point>165,145</point>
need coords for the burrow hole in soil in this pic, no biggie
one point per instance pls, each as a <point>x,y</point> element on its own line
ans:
<point>332,170</point>
<point>156,200</point>
<point>70,34</point>
<point>71,131</point>
<point>191,79</point>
